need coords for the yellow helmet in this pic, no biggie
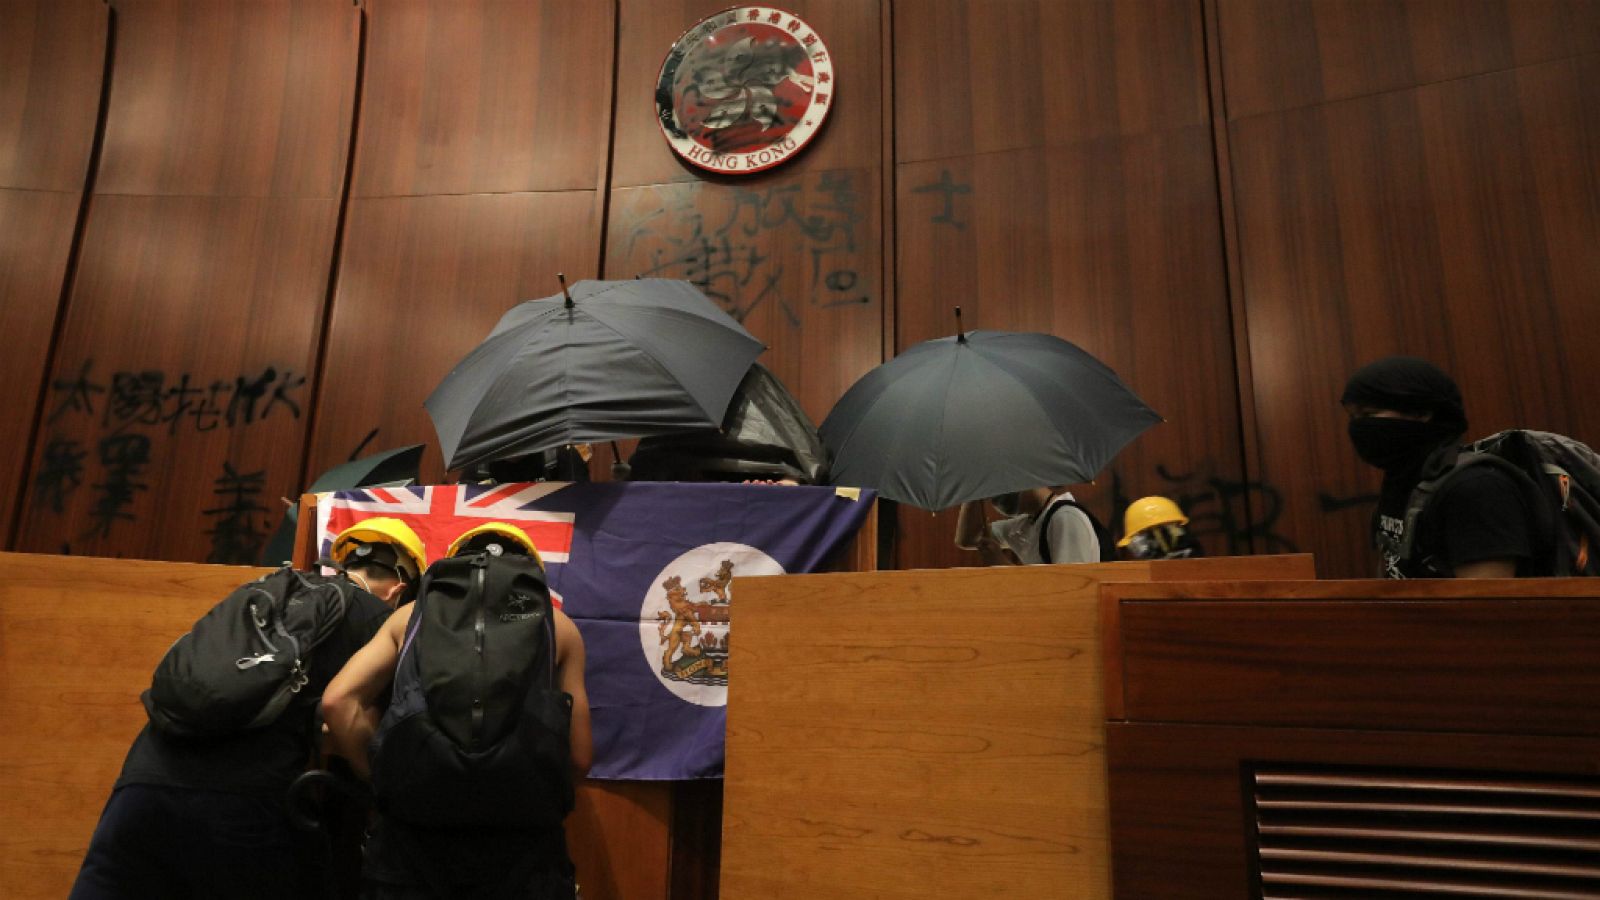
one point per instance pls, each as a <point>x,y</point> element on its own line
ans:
<point>383,530</point>
<point>1148,512</point>
<point>501,529</point>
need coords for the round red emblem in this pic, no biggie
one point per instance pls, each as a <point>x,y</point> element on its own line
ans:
<point>744,90</point>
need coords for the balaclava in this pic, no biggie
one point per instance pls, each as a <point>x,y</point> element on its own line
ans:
<point>1409,385</point>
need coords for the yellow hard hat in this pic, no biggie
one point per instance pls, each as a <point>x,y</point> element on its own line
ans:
<point>382,530</point>
<point>1148,512</point>
<point>510,532</point>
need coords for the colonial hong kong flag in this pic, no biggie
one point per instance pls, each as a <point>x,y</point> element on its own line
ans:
<point>646,570</point>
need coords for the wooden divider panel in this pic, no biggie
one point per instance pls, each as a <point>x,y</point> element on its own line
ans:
<point>52,62</point>
<point>78,640</point>
<point>1067,185</point>
<point>1387,737</point>
<point>926,734</point>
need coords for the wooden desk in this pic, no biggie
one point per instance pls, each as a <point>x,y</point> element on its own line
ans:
<point>1436,738</point>
<point>928,733</point>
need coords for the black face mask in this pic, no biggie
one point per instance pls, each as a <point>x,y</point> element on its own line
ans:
<point>1397,445</point>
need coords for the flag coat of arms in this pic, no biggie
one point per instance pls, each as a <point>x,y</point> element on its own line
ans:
<point>646,571</point>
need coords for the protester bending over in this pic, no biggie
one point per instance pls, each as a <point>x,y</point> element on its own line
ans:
<point>1154,528</point>
<point>205,817</point>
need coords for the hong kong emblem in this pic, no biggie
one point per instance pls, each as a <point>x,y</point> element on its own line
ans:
<point>744,90</point>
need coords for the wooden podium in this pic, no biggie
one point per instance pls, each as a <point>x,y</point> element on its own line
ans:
<point>927,733</point>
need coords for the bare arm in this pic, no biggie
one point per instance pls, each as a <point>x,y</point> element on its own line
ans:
<point>972,533</point>
<point>1488,568</point>
<point>569,674</point>
<point>350,704</point>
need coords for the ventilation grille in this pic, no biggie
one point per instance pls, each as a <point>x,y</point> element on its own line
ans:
<point>1400,834</point>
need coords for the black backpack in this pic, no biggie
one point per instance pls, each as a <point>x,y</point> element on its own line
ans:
<point>1108,552</point>
<point>246,660</point>
<point>476,733</point>
<point>1561,475</point>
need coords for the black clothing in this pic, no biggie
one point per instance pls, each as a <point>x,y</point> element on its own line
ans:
<point>1481,514</point>
<point>206,818</point>
<point>1398,446</point>
<point>185,844</point>
<point>402,863</point>
<point>261,762</point>
<point>1409,385</point>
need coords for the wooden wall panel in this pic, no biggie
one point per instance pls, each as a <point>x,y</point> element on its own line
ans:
<point>1281,54</point>
<point>177,402</point>
<point>249,99</point>
<point>1068,186</point>
<point>1389,224</point>
<point>182,375</point>
<point>484,96</point>
<point>52,59</point>
<point>52,64</point>
<point>422,280</point>
<point>980,76</point>
<point>36,229</point>
<point>795,252</point>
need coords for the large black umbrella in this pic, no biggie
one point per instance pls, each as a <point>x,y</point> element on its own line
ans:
<point>981,414</point>
<point>612,359</point>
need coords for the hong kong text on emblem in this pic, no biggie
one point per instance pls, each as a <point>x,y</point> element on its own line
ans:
<point>744,90</point>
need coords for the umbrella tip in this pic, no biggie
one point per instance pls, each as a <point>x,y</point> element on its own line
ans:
<point>561,277</point>
<point>961,336</point>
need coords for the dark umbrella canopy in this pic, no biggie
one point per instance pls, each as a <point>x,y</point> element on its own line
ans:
<point>620,359</point>
<point>981,414</point>
<point>386,468</point>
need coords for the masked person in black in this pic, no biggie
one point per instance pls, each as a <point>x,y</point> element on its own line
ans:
<point>1407,418</point>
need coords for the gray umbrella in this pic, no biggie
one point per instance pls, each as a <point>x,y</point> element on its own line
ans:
<point>612,359</point>
<point>981,414</point>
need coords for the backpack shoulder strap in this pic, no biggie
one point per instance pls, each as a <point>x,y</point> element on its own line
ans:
<point>1101,536</point>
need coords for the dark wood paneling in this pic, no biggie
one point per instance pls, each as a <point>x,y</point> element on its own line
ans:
<point>52,58</point>
<point>793,255</point>
<point>35,238</point>
<point>186,356</point>
<point>1503,656</point>
<point>1280,54</point>
<point>468,96</point>
<point>233,99</point>
<point>422,280</point>
<point>1067,185</point>
<point>1179,826</point>
<point>979,76</point>
<point>849,139</point>
<point>1114,245</point>
<point>1458,222</point>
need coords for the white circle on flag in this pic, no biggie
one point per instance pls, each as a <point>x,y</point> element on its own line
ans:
<point>683,622</point>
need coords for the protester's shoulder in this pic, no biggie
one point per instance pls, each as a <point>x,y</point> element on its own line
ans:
<point>1483,486</point>
<point>366,615</point>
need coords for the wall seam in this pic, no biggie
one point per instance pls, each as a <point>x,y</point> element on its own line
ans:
<point>68,281</point>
